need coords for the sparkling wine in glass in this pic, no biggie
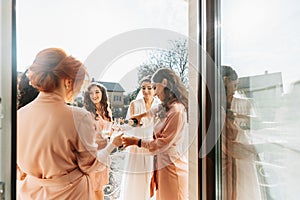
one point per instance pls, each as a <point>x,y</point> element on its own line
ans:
<point>106,131</point>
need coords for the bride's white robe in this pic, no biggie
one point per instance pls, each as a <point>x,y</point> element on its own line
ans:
<point>138,167</point>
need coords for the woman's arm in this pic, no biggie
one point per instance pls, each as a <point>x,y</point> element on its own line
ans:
<point>150,113</point>
<point>88,158</point>
<point>138,117</point>
<point>173,129</point>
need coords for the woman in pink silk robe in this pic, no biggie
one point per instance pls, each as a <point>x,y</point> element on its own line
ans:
<point>170,132</point>
<point>97,103</point>
<point>239,178</point>
<point>229,135</point>
<point>55,142</point>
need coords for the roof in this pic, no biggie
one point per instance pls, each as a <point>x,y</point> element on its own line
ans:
<point>260,82</point>
<point>112,86</point>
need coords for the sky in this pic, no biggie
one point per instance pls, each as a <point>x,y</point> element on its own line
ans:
<point>82,26</point>
<point>257,36</point>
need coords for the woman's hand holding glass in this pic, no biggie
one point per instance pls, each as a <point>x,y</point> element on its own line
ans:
<point>128,141</point>
<point>122,125</point>
<point>107,130</point>
<point>102,142</point>
<point>117,139</point>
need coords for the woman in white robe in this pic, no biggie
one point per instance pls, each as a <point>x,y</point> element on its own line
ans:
<point>138,165</point>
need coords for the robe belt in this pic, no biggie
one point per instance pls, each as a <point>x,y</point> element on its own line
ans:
<point>59,180</point>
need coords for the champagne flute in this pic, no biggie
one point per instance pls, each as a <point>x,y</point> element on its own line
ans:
<point>106,131</point>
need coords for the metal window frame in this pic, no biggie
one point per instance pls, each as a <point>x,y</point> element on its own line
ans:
<point>210,173</point>
<point>209,39</point>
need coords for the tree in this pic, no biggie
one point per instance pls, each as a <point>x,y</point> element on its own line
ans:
<point>175,57</point>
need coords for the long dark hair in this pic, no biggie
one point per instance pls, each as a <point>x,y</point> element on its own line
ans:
<point>175,89</point>
<point>26,93</point>
<point>230,73</point>
<point>105,111</point>
<point>227,71</point>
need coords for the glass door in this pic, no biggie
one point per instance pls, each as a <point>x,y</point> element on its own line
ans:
<point>260,42</point>
<point>114,39</point>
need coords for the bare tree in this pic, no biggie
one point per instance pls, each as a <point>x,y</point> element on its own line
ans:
<point>175,57</point>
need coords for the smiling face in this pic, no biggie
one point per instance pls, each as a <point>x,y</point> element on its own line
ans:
<point>95,94</point>
<point>147,90</point>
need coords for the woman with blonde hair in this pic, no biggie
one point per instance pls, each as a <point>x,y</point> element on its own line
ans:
<point>55,142</point>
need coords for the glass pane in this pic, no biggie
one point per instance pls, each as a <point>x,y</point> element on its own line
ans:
<point>104,35</point>
<point>260,41</point>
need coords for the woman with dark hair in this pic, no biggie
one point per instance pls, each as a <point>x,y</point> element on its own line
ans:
<point>96,102</point>
<point>230,80</point>
<point>238,153</point>
<point>138,165</point>
<point>26,93</point>
<point>229,134</point>
<point>170,135</point>
<point>55,142</point>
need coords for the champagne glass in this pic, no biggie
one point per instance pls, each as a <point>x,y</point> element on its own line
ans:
<point>115,127</point>
<point>106,131</point>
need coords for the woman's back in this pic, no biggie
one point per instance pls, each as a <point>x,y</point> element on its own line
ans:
<point>52,152</point>
<point>49,140</point>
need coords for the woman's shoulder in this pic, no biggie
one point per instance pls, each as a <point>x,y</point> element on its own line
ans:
<point>177,107</point>
<point>137,101</point>
<point>79,112</point>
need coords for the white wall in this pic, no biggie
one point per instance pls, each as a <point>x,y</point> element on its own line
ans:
<point>5,93</point>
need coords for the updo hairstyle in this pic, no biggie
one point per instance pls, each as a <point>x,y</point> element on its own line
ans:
<point>52,65</point>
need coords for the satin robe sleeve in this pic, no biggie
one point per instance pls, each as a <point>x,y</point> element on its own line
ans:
<point>170,134</point>
<point>89,159</point>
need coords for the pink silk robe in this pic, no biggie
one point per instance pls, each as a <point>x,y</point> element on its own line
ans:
<point>171,151</point>
<point>229,171</point>
<point>56,149</point>
<point>100,178</point>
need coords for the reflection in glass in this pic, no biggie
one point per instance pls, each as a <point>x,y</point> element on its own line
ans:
<point>262,44</point>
